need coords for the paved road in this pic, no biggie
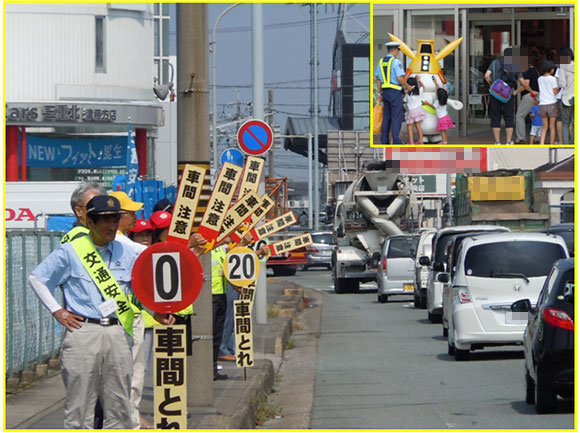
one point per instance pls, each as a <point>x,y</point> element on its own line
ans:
<point>385,366</point>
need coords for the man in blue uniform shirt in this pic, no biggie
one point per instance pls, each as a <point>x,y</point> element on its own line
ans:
<point>95,272</point>
<point>390,80</point>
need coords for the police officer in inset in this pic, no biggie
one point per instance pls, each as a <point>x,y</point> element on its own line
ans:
<point>390,80</point>
<point>95,271</point>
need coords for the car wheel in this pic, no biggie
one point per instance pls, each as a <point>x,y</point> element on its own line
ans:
<point>423,300</point>
<point>383,299</point>
<point>416,301</point>
<point>461,355</point>
<point>434,318</point>
<point>530,388</point>
<point>450,349</point>
<point>445,331</point>
<point>546,399</point>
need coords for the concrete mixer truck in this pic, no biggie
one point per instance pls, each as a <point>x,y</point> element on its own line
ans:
<point>371,209</point>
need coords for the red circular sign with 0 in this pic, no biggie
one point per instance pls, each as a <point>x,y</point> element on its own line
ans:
<point>167,277</point>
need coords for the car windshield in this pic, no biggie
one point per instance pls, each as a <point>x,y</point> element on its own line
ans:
<point>322,238</point>
<point>523,259</point>
<point>441,249</point>
<point>403,247</point>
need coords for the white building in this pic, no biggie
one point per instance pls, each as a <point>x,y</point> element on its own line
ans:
<point>76,74</point>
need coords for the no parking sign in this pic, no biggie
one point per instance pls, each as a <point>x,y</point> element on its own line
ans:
<point>255,137</point>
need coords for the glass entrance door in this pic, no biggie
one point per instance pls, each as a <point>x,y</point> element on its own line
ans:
<point>487,40</point>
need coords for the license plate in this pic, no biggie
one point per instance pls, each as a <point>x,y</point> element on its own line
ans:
<point>408,287</point>
<point>516,318</point>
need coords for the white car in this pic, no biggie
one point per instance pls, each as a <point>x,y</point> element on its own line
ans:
<point>424,249</point>
<point>493,271</point>
<point>396,266</point>
<point>441,242</point>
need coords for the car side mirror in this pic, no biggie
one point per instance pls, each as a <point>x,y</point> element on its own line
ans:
<point>444,278</point>
<point>424,261</point>
<point>438,267</point>
<point>522,306</point>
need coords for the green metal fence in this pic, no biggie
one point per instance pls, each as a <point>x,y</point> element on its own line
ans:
<point>31,334</point>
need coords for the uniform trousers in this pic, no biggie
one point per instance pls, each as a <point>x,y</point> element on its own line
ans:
<point>392,115</point>
<point>97,363</point>
<point>219,304</point>
<point>138,369</point>
<point>227,347</point>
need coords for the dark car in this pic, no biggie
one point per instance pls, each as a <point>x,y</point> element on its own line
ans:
<point>549,339</point>
<point>565,230</point>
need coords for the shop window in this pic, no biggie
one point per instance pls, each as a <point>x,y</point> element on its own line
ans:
<point>100,44</point>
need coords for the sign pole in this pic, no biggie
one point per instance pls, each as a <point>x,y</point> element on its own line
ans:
<point>258,101</point>
<point>192,139</point>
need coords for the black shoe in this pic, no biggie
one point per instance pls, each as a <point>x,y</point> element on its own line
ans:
<point>217,376</point>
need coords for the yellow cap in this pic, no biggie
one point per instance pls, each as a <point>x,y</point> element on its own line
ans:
<point>127,204</point>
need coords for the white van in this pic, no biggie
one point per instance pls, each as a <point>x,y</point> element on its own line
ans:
<point>493,271</point>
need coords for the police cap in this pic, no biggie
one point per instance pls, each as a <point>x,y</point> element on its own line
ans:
<point>103,205</point>
<point>391,45</point>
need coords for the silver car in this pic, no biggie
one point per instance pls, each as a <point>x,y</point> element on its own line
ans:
<point>396,270</point>
<point>422,272</point>
<point>320,251</point>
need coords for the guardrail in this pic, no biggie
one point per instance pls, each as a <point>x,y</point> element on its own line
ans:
<point>31,334</point>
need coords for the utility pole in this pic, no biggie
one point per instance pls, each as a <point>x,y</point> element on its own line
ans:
<point>314,105</point>
<point>192,148</point>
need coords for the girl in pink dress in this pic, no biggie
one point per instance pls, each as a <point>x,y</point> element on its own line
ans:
<point>444,122</point>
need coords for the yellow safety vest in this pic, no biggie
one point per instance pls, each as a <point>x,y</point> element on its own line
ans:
<point>387,80</point>
<point>74,233</point>
<point>103,278</point>
<point>218,284</point>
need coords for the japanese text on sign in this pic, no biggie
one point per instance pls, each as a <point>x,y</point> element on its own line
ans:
<point>186,203</point>
<point>220,200</point>
<point>274,226</point>
<point>290,244</point>
<point>252,174</point>
<point>243,332</point>
<point>170,395</point>
<point>257,215</point>
<point>239,212</point>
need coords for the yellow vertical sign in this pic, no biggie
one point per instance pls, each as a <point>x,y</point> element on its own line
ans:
<point>219,202</point>
<point>243,332</point>
<point>290,244</point>
<point>259,213</point>
<point>273,226</point>
<point>252,174</point>
<point>238,213</point>
<point>170,376</point>
<point>188,196</point>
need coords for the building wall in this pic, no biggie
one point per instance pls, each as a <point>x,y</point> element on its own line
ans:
<point>50,55</point>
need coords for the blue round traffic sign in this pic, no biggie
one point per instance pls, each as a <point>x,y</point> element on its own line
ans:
<point>233,156</point>
<point>255,137</point>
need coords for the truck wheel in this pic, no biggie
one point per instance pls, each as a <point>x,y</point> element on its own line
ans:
<point>423,301</point>
<point>416,301</point>
<point>345,285</point>
<point>383,299</point>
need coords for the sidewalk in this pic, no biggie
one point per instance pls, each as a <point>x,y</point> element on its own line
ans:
<point>42,405</point>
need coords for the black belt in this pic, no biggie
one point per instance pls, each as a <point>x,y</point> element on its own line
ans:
<point>103,322</point>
